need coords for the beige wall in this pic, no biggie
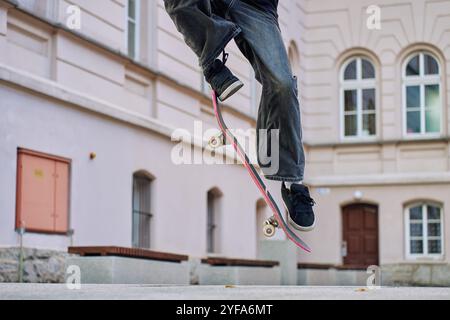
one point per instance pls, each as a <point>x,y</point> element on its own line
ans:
<point>85,95</point>
<point>390,169</point>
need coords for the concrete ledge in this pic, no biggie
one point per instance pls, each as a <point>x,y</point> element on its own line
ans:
<point>285,252</point>
<point>123,270</point>
<point>119,265</point>
<point>330,275</point>
<point>222,271</point>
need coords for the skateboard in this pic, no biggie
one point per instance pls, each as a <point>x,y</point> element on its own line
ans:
<point>276,221</point>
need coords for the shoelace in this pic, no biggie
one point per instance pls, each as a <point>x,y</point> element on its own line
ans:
<point>224,57</point>
<point>302,197</point>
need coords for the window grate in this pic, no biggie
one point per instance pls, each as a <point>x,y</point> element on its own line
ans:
<point>141,211</point>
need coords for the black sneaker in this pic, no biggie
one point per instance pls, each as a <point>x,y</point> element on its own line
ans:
<point>221,80</point>
<point>299,205</point>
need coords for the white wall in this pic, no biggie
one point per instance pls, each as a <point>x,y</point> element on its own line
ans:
<point>101,189</point>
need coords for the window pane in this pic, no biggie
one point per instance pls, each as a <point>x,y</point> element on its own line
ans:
<point>431,65</point>
<point>416,246</point>
<point>131,39</point>
<point>350,125</point>
<point>368,71</point>
<point>132,9</point>
<point>412,68</point>
<point>434,229</point>
<point>413,121</point>
<point>415,213</point>
<point>432,97</point>
<point>350,71</point>
<point>432,121</point>
<point>368,124</point>
<point>432,103</point>
<point>368,99</point>
<point>434,213</point>
<point>434,246</point>
<point>413,96</point>
<point>415,229</point>
<point>350,100</point>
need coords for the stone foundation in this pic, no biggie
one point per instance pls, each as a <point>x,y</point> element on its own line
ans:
<point>39,266</point>
<point>416,274</point>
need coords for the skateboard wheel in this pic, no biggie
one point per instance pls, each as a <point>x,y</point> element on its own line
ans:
<point>269,230</point>
<point>216,141</point>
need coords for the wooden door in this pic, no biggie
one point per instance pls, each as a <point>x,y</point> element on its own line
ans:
<point>360,235</point>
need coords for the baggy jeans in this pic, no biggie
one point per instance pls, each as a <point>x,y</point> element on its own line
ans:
<point>207,26</point>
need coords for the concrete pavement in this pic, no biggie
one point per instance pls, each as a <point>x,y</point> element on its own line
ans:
<point>150,292</point>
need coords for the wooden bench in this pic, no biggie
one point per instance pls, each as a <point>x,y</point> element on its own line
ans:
<point>127,252</point>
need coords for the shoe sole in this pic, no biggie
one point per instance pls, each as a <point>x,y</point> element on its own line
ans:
<point>295,225</point>
<point>232,89</point>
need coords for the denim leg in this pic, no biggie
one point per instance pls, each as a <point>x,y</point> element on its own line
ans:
<point>262,44</point>
<point>205,32</point>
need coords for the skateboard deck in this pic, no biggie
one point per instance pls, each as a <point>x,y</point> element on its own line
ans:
<point>277,220</point>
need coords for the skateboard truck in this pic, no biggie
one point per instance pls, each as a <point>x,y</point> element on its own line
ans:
<point>269,227</point>
<point>216,141</point>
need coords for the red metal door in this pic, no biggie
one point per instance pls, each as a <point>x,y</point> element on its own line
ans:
<point>42,192</point>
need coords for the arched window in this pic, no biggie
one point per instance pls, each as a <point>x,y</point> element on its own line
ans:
<point>422,97</point>
<point>213,220</point>
<point>358,98</point>
<point>423,229</point>
<point>141,215</point>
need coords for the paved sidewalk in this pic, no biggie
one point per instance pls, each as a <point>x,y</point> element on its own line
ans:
<point>149,292</point>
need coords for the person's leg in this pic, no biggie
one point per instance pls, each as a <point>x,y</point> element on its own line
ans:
<point>261,42</point>
<point>207,34</point>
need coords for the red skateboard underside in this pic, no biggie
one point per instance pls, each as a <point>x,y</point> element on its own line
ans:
<point>256,177</point>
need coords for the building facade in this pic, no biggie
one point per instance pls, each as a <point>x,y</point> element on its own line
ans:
<point>375,106</point>
<point>89,112</point>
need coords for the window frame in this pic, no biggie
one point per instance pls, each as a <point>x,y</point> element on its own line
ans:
<point>137,24</point>
<point>359,84</point>
<point>421,80</point>
<point>425,254</point>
